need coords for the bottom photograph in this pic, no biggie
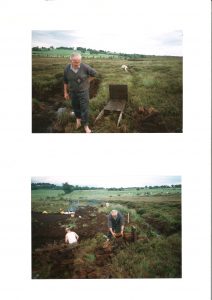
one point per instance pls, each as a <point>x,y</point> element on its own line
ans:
<point>106,228</point>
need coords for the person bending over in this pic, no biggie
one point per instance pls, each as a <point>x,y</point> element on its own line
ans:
<point>115,224</point>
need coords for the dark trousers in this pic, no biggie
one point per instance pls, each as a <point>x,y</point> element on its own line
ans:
<point>80,102</point>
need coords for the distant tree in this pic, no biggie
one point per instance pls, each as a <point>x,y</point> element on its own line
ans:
<point>177,185</point>
<point>36,49</point>
<point>81,49</point>
<point>44,185</point>
<point>65,48</point>
<point>67,188</point>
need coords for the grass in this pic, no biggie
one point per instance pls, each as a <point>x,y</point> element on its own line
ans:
<point>44,194</point>
<point>71,224</point>
<point>123,209</point>
<point>160,258</point>
<point>157,219</point>
<point>63,118</point>
<point>90,257</point>
<point>67,53</point>
<point>153,82</point>
<point>54,200</point>
<point>86,251</point>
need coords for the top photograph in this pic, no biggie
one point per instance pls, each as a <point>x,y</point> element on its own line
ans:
<point>107,84</point>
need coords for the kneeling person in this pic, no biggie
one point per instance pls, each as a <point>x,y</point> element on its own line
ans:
<point>71,237</point>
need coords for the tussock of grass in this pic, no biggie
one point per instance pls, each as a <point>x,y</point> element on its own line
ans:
<point>160,258</point>
<point>151,82</point>
<point>155,254</point>
<point>86,251</point>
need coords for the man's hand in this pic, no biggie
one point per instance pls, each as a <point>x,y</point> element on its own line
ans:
<point>90,79</point>
<point>122,233</point>
<point>113,234</point>
<point>66,89</point>
<point>66,96</point>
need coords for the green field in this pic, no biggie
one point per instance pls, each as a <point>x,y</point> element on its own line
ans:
<point>67,53</point>
<point>53,200</point>
<point>152,82</point>
<point>156,217</point>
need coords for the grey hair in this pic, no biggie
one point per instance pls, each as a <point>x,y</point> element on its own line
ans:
<point>75,54</point>
<point>114,211</point>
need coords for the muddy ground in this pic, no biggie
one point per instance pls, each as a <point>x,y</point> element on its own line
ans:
<point>93,256</point>
<point>44,112</point>
<point>45,118</point>
<point>50,228</point>
<point>52,258</point>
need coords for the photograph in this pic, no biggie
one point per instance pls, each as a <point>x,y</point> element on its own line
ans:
<point>105,229</point>
<point>107,82</point>
<point>128,209</point>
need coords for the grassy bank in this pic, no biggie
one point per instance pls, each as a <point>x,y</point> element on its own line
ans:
<point>155,253</point>
<point>152,82</point>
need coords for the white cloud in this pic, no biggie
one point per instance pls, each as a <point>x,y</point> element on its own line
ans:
<point>112,181</point>
<point>133,27</point>
<point>126,41</point>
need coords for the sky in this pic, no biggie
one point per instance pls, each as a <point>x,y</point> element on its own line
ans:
<point>141,40</point>
<point>112,181</point>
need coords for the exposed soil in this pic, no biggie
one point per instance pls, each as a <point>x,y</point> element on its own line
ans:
<point>44,112</point>
<point>49,228</point>
<point>142,119</point>
<point>149,120</point>
<point>51,258</point>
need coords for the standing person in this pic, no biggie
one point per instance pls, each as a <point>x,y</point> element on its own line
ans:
<point>71,237</point>
<point>77,78</point>
<point>115,224</point>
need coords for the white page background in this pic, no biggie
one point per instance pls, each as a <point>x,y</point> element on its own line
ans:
<point>24,154</point>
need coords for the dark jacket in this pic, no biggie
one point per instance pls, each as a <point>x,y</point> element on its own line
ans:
<point>115,223</point>
<point>78,82</point>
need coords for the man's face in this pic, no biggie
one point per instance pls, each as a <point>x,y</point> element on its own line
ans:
<point>114,214</point>
<point>75,62</point>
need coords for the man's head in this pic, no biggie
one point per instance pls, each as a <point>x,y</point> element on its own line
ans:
<point>75,60</point>
<point>68,229</point>
<point>114,213</point>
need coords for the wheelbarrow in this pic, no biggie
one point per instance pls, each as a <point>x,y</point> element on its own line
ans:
<point>118,96</point>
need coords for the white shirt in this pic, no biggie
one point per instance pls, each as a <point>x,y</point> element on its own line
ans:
<point>74,70</point>
<point>71,237</point>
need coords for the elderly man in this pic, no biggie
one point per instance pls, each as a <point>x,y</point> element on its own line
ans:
<point>77,78</point>
<point>115,224</point>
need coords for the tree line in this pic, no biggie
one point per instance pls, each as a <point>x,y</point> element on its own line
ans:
<point>146,187</point>
<point>68,188</point>
<point>91,51</point>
